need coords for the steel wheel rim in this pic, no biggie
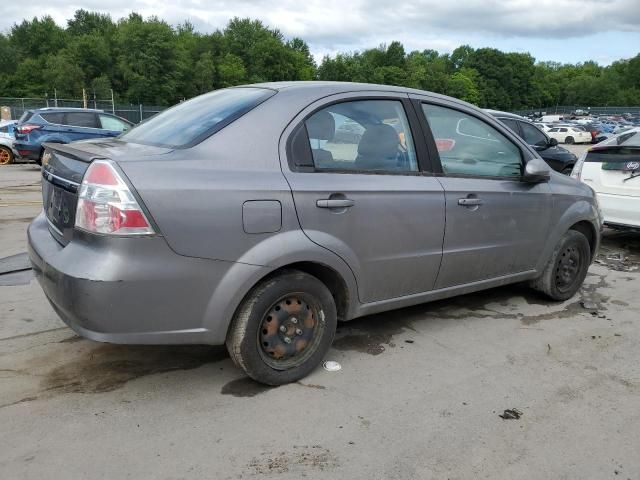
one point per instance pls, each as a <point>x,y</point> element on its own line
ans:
<point>296,317</point>
<point>5,157</point>
<point>568,268</point>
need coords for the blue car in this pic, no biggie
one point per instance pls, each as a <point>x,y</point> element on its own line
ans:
<point>63,125</point>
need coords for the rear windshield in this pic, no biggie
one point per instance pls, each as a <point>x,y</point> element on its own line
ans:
<point>626,139</point>
<point>190,122</point>
<point>25,116</point>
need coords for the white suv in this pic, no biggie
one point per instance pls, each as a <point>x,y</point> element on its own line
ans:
<point>612,169</point>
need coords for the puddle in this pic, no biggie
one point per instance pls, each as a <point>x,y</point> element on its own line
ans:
<point>109,367</point>
<point>15,279</point>
<point>15,263</point>
<point>15,220</point>
<point>373,334</point>
<point>244,387</point>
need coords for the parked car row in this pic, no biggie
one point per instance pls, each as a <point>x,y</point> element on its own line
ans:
<point>55,125</point>
<point>600,128</point>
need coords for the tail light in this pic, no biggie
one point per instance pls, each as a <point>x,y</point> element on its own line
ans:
<point>27,128</point>
<point>106,204</point>
<point>577,168</point>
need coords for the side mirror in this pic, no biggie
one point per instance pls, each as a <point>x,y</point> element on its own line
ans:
<point>536,171</point>
<point>553,142</point>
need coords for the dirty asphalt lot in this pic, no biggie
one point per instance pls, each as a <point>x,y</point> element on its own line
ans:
<point>418,397</point>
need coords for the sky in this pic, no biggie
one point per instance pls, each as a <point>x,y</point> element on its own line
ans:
<point>567,31</point>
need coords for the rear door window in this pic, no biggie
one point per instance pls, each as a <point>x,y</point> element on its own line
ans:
<point>363,136</point>
<point>81,119</point>
<point>56,118</point>
<point>190,122</point>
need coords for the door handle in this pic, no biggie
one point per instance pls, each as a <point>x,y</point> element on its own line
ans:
<point>335,203</point>
<point>469,202</point>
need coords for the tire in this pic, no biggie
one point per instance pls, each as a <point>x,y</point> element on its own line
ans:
<point>257,342</point>
<point>569,140</point>
<point>6,155</point>
<point>567,268</point>
<point>567,170</point>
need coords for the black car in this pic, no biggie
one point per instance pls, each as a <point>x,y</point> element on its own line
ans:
<point>558,158</point>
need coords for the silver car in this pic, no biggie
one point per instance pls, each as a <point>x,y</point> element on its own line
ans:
<point>237,218</point>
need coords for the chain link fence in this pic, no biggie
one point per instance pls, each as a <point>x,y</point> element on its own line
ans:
<point>131,112</point>
<point>568,109</point>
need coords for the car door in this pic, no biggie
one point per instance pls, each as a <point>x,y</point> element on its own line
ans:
<point>496,224</point>
<point>365,198</point>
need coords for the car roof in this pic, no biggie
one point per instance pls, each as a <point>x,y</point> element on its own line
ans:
<point>499,114</point>
<point>330,88</point>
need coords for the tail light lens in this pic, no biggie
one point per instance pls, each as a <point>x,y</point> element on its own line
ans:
<point>106,204</point>
<point>27,128</point>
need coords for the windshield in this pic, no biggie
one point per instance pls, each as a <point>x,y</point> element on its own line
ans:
<point>190,122</point>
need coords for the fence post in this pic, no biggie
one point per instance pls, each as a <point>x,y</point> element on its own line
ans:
<point>140,114</point>
<point>113,103</point>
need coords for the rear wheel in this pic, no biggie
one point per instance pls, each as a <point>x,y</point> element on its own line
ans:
<point>6,155</point>
<point>569,140</point>
<point>283,328</point>
<point>567,267</point>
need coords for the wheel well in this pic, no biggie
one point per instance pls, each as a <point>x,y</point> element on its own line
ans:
<point>327,275</point>
<point>588,231</point>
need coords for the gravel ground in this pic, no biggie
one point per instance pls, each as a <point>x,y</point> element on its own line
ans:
<point>420,393</point>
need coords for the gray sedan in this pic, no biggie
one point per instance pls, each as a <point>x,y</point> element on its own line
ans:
<point>238,218</point>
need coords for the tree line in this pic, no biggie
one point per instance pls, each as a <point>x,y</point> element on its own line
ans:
<point>149,61</point>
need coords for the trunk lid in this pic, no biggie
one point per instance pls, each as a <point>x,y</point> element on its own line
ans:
<point>64,166</point>
<point>613,170</point>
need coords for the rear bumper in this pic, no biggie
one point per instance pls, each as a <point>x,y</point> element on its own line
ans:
<point>133,290</point>
<point>27,151</point>
<point>620,210</point>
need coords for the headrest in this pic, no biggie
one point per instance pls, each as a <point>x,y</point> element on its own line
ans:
<point>321,126</point>
<point>380,140</point>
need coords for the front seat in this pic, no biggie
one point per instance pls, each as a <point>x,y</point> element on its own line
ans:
<point>378,148</point>
<point>321,126</point>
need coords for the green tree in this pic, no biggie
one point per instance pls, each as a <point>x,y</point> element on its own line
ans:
<point>462,85</point>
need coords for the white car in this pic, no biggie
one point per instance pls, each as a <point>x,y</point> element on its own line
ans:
<point>612,169</point>
<point>569,135</point>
